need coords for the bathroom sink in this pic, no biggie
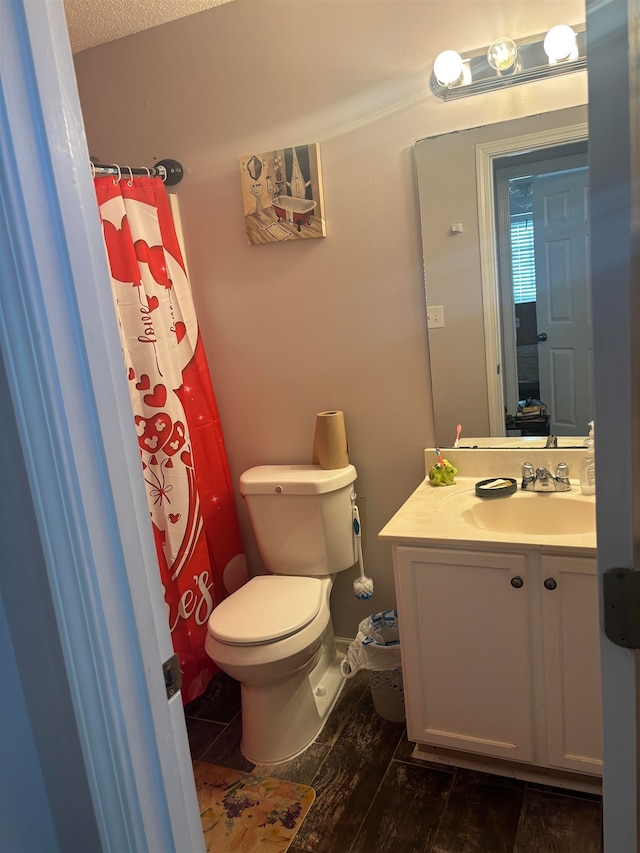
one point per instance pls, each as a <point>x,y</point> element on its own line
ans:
<point>535,513</point>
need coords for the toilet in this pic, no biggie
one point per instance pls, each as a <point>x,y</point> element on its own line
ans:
<point>274,635</point>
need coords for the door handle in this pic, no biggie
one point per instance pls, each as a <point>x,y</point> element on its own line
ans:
<point>542,337</point>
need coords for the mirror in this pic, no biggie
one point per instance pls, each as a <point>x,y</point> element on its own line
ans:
<point>254,167</point>
<point>458,221</point>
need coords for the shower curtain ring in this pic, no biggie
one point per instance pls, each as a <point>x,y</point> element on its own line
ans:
<point>130,181</point>
<point>119,178</point>
<point>147,170</point>
<point>93,170</point>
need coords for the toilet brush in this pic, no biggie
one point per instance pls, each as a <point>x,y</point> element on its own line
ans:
<point>362,586</point>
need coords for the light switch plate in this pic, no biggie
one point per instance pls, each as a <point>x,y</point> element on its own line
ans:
<point>435,316</point>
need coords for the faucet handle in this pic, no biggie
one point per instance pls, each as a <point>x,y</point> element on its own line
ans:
<point>562,472</point>
<point>527,471</point>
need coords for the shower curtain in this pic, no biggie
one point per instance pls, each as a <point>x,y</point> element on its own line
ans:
<point>184,464</point>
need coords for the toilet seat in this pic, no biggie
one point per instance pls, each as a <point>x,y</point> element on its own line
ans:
<point>265,609</point>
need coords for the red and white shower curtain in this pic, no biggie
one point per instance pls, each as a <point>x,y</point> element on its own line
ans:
<point>184,462</point>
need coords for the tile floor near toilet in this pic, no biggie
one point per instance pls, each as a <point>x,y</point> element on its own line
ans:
<point>373,797</point>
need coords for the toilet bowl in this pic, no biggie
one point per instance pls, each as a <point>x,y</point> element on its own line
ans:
<point>274,635</point>
<point>290,683</point>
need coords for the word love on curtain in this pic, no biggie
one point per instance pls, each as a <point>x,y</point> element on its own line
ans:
<point>184,462</point>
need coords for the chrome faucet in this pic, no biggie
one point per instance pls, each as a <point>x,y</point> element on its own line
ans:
<point>542,480</point>
<point>552,441</point>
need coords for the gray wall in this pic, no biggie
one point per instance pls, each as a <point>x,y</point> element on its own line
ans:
<point>338,322</point>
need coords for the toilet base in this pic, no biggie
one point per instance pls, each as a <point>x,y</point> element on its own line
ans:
<point>280,720</point>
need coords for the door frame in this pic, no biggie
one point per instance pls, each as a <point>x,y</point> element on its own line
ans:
<point>486,155</point>
<point>61,350</point>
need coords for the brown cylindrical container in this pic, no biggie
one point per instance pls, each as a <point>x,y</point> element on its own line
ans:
<point>330,448</point>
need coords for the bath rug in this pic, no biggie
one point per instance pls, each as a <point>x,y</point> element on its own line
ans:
<point>244,813</point>
<point>278,232</point>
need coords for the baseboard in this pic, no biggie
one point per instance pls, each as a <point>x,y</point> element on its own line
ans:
<point>512,769</point>
<point>342,644</point>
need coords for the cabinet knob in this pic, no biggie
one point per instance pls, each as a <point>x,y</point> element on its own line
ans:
<point>550,583</point>
<point>517,582</point>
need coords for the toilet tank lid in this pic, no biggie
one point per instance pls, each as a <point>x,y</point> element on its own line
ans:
<point>295,479</point>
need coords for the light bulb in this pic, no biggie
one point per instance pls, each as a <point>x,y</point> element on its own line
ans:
<point>447,67</point>
<point>560,44</point>
<point>502,54</point>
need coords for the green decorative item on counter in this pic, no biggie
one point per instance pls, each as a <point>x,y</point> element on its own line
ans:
<point>443,472</point>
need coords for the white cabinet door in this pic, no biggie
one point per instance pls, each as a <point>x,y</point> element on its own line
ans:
<point>464,630</point>
<point>571,651</point>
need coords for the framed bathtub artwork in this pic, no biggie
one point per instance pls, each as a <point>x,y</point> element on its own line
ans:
<point>282,195</point>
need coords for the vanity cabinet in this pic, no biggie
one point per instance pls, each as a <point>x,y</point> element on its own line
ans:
<point>500,654</point>
<point>571,663</point>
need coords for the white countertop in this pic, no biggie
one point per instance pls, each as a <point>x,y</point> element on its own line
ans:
<point>428,517</point>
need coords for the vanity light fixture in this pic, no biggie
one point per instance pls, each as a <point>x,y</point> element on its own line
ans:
<point>502,55</point>
<point>449,68</point>
<point>560,44</point>
<point>507,62</point>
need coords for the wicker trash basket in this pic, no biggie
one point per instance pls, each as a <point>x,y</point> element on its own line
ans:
<point>377,648</point>
<point>387,692</point>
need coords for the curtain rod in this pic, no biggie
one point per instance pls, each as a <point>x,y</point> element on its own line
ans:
<point>170,171</point>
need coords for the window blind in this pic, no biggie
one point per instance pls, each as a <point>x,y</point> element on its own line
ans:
<point>523,261</point>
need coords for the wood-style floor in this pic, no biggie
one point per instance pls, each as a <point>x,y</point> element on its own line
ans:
<point>373,797</point>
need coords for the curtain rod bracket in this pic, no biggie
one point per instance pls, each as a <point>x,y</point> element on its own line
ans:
<point>173,169</point>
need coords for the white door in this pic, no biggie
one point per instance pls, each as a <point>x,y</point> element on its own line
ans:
<point>563,303</point>
<point>614,78</point>
<point>60,347</point>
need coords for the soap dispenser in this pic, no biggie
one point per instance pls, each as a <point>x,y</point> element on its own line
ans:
<point>588,464</point>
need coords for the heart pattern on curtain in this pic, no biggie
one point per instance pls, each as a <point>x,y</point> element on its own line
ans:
<point>184,462</point>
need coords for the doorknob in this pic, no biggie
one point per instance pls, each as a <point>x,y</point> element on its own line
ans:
<point>542,337</point>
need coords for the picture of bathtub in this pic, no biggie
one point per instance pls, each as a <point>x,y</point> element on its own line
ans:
<point>296,210</point>
<point>282,194</point>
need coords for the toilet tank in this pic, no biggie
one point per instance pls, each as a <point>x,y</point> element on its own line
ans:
<point>302,517</point>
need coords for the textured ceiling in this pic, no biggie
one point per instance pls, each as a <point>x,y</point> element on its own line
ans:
<point>92,22</point>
